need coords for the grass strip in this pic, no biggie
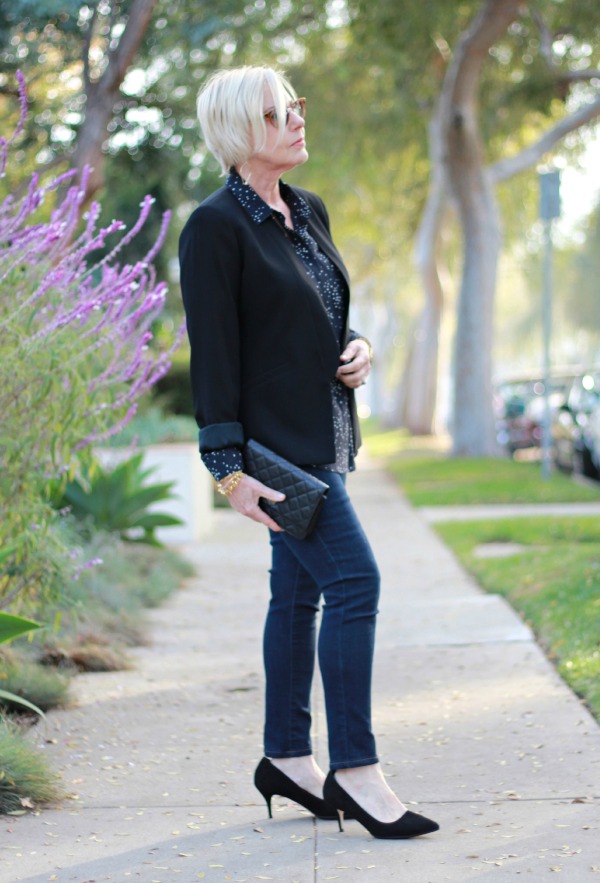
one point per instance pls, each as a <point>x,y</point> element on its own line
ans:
<point>553,582</point>
<point>429,477</point>
<point>484,480</point>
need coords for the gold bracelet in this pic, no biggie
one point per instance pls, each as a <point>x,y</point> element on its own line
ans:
<point>227,485</point>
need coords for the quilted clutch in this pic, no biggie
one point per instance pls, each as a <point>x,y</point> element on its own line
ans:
<point>304,494</point>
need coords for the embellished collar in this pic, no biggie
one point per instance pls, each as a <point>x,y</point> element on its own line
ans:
<point>260,211</point>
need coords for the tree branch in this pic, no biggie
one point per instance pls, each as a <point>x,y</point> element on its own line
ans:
<point>121,58</point>
<point>86,50</point>
<point>545,39</point>
<point>507,168</point>
<point>472,50</point>
<point>575,76</point>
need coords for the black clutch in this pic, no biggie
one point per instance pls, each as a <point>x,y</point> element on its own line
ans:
<point>304,494</point>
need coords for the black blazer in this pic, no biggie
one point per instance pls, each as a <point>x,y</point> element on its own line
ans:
<point>263,351</point>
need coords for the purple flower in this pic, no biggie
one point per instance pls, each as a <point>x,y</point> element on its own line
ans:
<point>96,312</point>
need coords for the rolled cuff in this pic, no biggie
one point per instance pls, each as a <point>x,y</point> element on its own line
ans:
<point>221,435</point>
<point>223,462</point>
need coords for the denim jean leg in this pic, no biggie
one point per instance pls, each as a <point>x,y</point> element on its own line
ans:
<point>289,655</point>
<point>339,559</point>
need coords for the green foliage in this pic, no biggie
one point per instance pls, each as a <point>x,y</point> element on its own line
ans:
<point>554,582</point>
<point>118,500</point>
<point>129,579</point>
<point>100,614</point>
<point>11,627</point>
<point>174,390</point>
<point>153,427</point>
<point>25,779</point>
<point>40,686</point>
<point>40,423</point>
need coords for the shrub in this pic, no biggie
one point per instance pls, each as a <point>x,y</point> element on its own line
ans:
<point>101,613</point>
<point>174,390</point>
<point>153,427</point>
<point>118,500</point>
<point>25,779</point>
<point>11,627</point>
<point>38,684</point>
<point>75,356</point>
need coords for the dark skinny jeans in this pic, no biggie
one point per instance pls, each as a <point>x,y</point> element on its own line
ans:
<point>335,562</point>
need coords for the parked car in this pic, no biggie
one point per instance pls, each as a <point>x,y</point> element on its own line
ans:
<point>571,426</point>
<point>520,405</point>
<point>592,435</point>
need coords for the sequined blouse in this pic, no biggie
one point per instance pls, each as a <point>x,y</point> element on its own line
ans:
<point>330,286</point>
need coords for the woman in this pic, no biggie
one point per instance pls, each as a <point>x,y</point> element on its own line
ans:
<point>266,298</point>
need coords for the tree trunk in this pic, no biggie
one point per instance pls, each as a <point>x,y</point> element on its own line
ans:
<point>472,429</point>
<point>471,184</point>
<point>457,166</point>
<point>102,94</point>
<point>419,382</point>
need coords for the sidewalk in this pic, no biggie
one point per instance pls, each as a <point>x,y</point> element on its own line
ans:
<point>473,726</point>
<point>437,514</point>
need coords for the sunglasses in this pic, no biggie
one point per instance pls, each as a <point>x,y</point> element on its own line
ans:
<point>298,107</point>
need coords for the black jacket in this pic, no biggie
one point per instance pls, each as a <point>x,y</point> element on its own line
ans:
<point>263,351</point>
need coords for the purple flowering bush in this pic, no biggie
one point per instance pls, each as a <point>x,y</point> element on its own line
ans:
<point>75,356</point>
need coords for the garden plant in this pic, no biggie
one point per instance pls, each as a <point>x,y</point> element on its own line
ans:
<point>75,356</point>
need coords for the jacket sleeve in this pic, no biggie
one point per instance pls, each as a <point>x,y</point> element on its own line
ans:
<point>210,264</point>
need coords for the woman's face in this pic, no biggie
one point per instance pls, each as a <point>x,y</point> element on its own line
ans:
<point>291,150</point>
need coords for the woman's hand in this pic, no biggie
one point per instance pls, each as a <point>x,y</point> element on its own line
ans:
<point>356,363</point>
<point>244,499</point>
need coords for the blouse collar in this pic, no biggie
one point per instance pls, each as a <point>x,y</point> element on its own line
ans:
<point>259,210</point>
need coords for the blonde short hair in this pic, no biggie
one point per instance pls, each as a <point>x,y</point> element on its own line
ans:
<point>230,111</point>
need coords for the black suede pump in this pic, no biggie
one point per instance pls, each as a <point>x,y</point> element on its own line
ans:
<point>270,780</point>
<point>409,824</point>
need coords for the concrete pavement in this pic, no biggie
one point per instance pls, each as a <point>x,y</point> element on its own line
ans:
<point>474,728</point>
<point>437,514</point>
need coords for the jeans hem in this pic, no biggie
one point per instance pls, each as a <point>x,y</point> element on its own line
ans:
<point>352,764</point>
<point>281,755</point>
